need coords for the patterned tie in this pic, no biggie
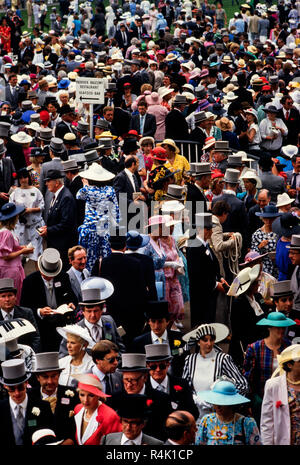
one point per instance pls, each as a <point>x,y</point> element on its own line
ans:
<point>96,333</point>
<point>20,418</point>
<point>52,201</point>
<point>52,401</point>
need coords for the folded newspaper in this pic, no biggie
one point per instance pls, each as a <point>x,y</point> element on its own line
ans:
<point>62,309</point>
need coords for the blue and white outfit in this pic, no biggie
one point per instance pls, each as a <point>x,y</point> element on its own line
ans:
<point>158,256</point>
<point>101,212</point>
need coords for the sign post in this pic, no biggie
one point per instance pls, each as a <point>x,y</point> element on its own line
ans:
<point>91,91</point>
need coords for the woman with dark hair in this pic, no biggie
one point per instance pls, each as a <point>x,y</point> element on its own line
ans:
<point>5,35</point>
<point>101,210</point>
<point>26,228</point>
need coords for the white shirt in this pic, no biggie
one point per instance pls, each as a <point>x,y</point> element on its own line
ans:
<point>45,396</point>
<point>15,407</point>
<point>130,176</point>
<point>57,192</point>
<point>91,325</point>
<point>4,313</point>
<point>100,375</point>
<point>164,383</point>
<point>204,372</point>
<point>164,338</point>
<point>127,442</point>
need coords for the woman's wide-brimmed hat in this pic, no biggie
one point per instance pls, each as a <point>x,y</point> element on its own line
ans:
<point>171,143</point>
<point>45,437</point>
<point>251,174</point>
<point>146,139</point>
<point>252,258</point>
<point>21,138</point>
<point>90,383</point>
<point>95,290</point>
<point>14,372</point>
<point>252,112</point>
<point>246,277</point>
<point>10,210</point>
<point>161,176</point>
<point>276,319</point>
<point>156,220</point>
<point>269,211</point>
<point>291,353</point>
<point>135,240</point>
<point>209,142</point>
<point>286,225</point>
<point>223,393</point>
<point>76,330</point>
<point>218,330</point>
<point>172,206</point>
<point>225,124</point>
<point>97,173</point>
<point>50,263</point>
<point>271,109</point>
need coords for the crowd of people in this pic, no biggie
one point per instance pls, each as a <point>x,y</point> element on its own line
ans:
<point>150,245</point>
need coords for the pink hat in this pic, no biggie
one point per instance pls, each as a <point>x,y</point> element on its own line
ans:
<point>94,387</point>
<point>157,219</point>
<point>153,99</point>
<point>161,52</point>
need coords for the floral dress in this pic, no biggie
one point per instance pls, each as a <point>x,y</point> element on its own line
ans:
<point>213,432</point>
<point>294,405</point>
<point>26,232</point>
<point>101,212</point>
<point>35,176</point>
<point>257,237</point>
<point>158,256</point>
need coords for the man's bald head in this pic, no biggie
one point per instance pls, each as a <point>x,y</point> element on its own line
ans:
<point>263,198</point>
<point>181,427</point>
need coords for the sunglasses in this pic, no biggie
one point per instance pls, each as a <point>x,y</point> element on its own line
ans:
<point>161,366</point>
<point>285,299</point>
<point>19,388</point>
<point>132,380</point>
<point>112,359</point>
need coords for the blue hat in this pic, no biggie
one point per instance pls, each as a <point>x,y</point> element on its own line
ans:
<point>222,393</point>
<point>269,211</point>
<point>277,319</point>
<point>9,210</point>
<point>26,116</point>
<point>135,240</point>
<point>24,81</point>
<point>64,84</point>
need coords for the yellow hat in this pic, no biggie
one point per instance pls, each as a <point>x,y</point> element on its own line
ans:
<point>106,135</point>
<point>287,355</point>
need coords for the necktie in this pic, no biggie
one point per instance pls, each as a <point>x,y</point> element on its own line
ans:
<point>8,316</point>
<point>20,418</point>
<point>287,114</point>
<point>294,182</point>
<point>107,385</point>
<point>160,388</point>
<point>141,124</point>
<point>52,201</point>
<point>96,333</point>
<point>52,401</point>
<point>50,288</point>
<point>160,340</point>
<point>82,276</point>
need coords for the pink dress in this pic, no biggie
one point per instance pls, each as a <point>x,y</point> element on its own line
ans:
<point>173,288</point>
<point>11,268</point>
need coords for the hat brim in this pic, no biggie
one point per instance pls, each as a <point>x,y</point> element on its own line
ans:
<point>90,303</point>
<point>268,215</point>
<point>45,370</point>
<point>253,262</point>
<point>15,381</point>
<point>217,398</point>
<point>50,274</point>
<point>276,324</point>
<point>62,331</point>
<point>137,368</point>
<point>93,176</point>
<point>221,333</point>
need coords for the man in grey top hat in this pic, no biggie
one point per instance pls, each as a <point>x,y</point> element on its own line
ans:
<point>198,134</point>
<point>200,177</point>
<point>83,134</point>
<point>283,297</point>
<point>220,153</point>
<point>21,415</point>
<point>9,310</point>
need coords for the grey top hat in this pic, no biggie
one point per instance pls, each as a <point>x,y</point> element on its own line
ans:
<point>199,169</point>
<point>49,263</point>
<point>113,85</point>
<point>282,288</point>
<point>222,146</point>
<point>203,220</point>
<point>56,145</point>
<point>105,143</point>
<point>91,156</point>
<point>180,99</point>
<point>14,372</point>
<point>70,165</point>
<point>27,105</point>
<point>7,284</point>
<point>133,362</point>
<point>4,129</point>
<point>273,79</point>
<point>199,117</point>
<point>83,127</point>
<point>156,352</point>
<point>91,297</point>
<point>35,118</point>
<point>2,146</point>
<point>175,192</point>
<point>212,88</point>
<point>78,157</point>
<point>45,134</point>
<point>104,287</point>
<point>46,361</point>
<point>295,242</point>
<point>102,123</point>
<point>235,160</point>
<point>232,176</point>
<point>200,92</point>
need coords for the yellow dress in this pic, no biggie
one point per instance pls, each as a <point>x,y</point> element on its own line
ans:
<point>180,163</point>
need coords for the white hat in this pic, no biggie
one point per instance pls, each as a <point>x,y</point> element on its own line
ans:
<point>165,92</point>
<point>97,173</point>
<point>251,174</point>
<point>34,126</point>
<point>243,155</point>
<point>218,330</point>
<point>284,199</point>
<point>289,150</point>
<point>21,138</point>
<point>172,206</point>
<point>245,278</point>
<point>188,95</point>
<point>76,330</point>
<point>45,437</point>
<point>295,96</point>
<point>231,96</point>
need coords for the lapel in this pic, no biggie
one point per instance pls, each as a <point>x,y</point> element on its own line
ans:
<point>91,428</point>
<point>128,182</point>
<point>107,329</point>
<point>75,284</point>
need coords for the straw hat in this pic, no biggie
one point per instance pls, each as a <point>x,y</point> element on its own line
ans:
<point>291,353</point>
<point>97,173</point>
<point>171,143</point>
<point>230,96</point>
<point>284,199</point>
<point>225,124</point>
<point>21,138</point>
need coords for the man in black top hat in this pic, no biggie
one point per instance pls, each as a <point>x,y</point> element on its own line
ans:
<point>67,115</point>
<point>74,183</point>
<point>133,412</point>
<point>83,134</point>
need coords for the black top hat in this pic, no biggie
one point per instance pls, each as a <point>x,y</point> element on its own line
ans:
<point>65,109</point>
<point>54,174</point>
<point>130,145</point>
<point>157,309</point>
<point>133,406</point>
<point>37,152</point>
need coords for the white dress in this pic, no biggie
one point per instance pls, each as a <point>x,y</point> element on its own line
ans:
<point>203,379</point>
<point>26,233</point>
<point>65,378</point>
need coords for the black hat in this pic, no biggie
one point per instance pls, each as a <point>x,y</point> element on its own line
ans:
<point>157,309</point>
<point>130,145</point>
<point>286,225</point>
<point>37,152</point>
<point>133,406</point>
<point>65,109</point>
<point>54,174</point>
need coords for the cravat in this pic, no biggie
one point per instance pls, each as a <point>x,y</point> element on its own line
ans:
<point>96,333</point>
<point>20,418</point>
<point>107,385</point>
<point>160,388</point>
<point>52,401</point>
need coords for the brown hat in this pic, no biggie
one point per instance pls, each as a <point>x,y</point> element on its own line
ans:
<point>225,124</point>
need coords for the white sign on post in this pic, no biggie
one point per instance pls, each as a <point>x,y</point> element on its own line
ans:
<point>90,90</point>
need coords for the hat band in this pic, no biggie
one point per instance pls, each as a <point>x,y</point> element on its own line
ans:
<point>48,369</point>
<point>19,380</point>
<point>48,270</point>
<point>179,196</point>
<point>242,284</point>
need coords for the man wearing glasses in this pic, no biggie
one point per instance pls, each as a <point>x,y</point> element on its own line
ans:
<point>20,414</point>
<point>105,355</point>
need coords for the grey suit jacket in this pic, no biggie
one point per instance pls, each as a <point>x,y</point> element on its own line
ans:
<point>49,165</point>
<point>110,333</point>
<point>114,439</point>
<point>75,284</point>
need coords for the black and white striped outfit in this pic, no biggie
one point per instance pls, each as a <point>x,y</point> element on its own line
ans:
<point>224,366</point>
